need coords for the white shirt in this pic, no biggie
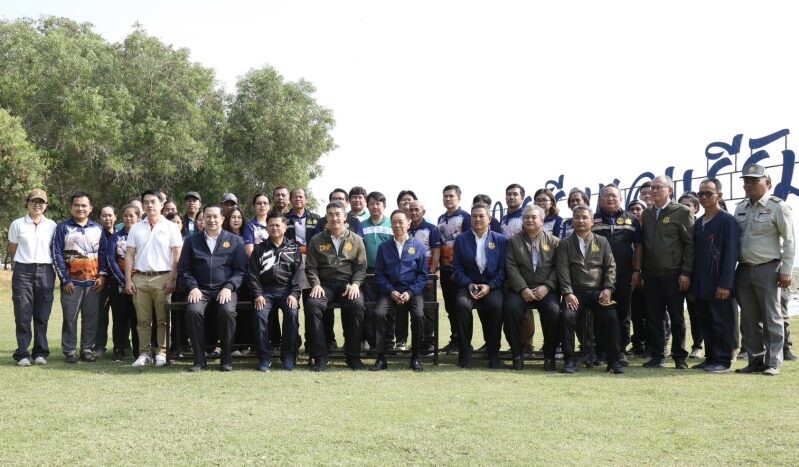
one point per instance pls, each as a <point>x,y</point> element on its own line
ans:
<point>33,241</point>
<point>337,242</point>
<point>211,241</point>
<point>400,244</point>
<point>480,256</point>
<point>583,245</point>
<point>154,247</point>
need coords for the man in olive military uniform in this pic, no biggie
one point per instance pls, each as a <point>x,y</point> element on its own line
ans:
<point>765,263</point>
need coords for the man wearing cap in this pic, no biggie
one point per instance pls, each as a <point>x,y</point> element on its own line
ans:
<point>152,251</point>
<point>765,263</point>
<point>33,279</point>
<point>212,267</point>
<point>668,262</point>
<point>193,201</point>
<point>228,202</point>
<point>79,259</point>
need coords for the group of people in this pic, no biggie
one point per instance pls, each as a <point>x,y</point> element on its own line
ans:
<point>598,276</point>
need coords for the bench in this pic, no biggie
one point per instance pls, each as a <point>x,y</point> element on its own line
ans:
<point>430,308</point>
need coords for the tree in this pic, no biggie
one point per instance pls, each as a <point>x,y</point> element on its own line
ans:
<point>24,170</point>
<point>276,132</point>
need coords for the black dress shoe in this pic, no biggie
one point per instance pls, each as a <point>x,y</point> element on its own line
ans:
<point>518,363</point>
<point>623,361</point>
<point>355,364</point>
<point>787,355</point>
<point>752,368</point>
<point>615,368</point>
<point>380,365</point>
<point>320,364</point>
<point>197,367</point>
<point>416,365</point>
<point>549,364</point>
<point>655,362</point>
<point>226,367</point>
<point>466,363</point>
<point>699,366</point>
<point>570,366</point>
<point>680,365</point>
<point>494,362</point>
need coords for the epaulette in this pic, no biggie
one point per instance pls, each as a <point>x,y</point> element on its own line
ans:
<point>776,199</point>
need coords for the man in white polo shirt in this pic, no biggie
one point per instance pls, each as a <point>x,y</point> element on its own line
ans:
<point>151,260</point>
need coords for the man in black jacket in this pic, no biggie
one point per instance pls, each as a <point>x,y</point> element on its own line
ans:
<point>276,278</point>
<point>212,266</point>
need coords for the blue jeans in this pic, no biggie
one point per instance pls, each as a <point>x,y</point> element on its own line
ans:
<point>32,294</point>
<point>262,319</point>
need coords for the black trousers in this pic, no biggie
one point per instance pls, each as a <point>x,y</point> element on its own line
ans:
<point>489,309</point>
<point>623,297</point>
<point>32,294</point>
<point>515,309</point>
<point>385,308</point>
<point>449,291</point>
<point>638,317</point>
<point>663,296</point>
<point>123,327</point>
<point>606,325</point>
<point>695,321</point>
<point>718,321</point>
<point>226,324</point>
<point>352,311</point>
<point>101,339</point>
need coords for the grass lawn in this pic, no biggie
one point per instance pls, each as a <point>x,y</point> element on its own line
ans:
<point>107,413</point>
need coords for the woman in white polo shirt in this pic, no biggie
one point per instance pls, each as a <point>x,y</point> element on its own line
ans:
<point>33,279</point>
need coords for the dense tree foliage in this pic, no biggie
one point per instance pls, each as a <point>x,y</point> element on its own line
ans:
<point>116,118</point>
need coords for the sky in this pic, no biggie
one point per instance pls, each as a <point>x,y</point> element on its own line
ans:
<point>484,94</point>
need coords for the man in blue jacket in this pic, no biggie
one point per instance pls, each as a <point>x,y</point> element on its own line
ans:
<point>212,266</point>
<point>717,238</point>
<point>401,276</point>
<point>479,271</point>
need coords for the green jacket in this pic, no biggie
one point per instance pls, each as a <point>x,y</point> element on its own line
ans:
<point>595,271</point>
<point>668,240</point>
<point>519,262</point>
<point>323,264</point>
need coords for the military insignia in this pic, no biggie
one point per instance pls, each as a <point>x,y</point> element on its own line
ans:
<point>620,221</point>
<point>765,211</point>
<point>226,244</point>
<point>411,250</point>
<point>545,247</point>
<point>666,220</point>
<point>595,248</point>
<point>325,247</point>
<point>491,245</point>
<point>348,246</point>
<point>752,169</point>
<point>628,221</point>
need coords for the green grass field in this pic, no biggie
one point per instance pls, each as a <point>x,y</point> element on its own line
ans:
<point>107,413</point>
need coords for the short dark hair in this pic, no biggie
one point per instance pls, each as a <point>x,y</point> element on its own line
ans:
<point>355,191</point>
<point>714,181</point>
<point>481,198</point>
<point>452,187</point>
<point>279,187</point>
<point>515,185</point>
<point>376,195</point>
<point>80,194</point>
<point>291,193</point>
<point>406,192</point>
<point>337,190</point>
<point>647,184</point>
<point>335,204</point>
<point>400,211</point>
<point>211,205</point>
<point>479,205</point>
<point>276,215</point>
<point>156,193</point>
<point>582,194</point>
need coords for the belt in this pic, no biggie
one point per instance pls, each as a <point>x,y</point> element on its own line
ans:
<point>153,273</point>
<point>753,265</point>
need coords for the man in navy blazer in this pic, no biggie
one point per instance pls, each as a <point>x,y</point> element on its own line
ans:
<point>212,266</point>
<point>479,270</point>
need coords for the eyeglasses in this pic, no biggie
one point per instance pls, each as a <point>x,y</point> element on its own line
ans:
<point>705,194</point>
<point>37,202</point>
<point>658,187</point>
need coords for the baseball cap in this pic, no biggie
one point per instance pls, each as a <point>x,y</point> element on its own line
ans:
<point>193,194</point>
<point>37,193</point>
<point>229,197</point>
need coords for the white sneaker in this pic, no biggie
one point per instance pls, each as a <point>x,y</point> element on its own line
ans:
<point>143,360</point>
<point>40,360</point>
<point>24,362</point>
<point>235,353</point>
<point>160,360</point>
<point>696,353</point>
